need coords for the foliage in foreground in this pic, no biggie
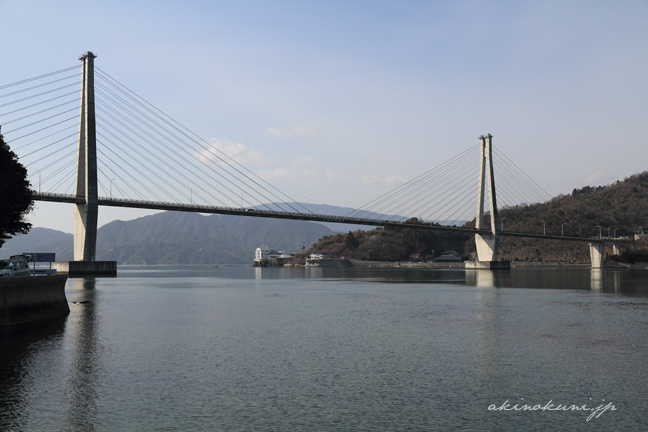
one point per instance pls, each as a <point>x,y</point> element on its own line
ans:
<point>15,195</point>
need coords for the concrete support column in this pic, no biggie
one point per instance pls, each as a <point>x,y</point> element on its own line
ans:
<point>85,215</point>
<point>479,218</point>
<point>487,245</point>
<point>616,250</point>
<point>597,255</point>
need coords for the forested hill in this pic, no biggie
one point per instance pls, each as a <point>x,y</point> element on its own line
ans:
<point>622,206</point>
<point>390,244</point>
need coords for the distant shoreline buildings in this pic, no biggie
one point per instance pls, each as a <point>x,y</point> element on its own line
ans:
<point>268,257</point>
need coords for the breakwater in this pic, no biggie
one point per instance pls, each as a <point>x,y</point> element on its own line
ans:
<point>86,268</point>
<point>26,299</point>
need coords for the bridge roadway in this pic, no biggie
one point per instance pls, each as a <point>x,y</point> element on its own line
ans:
<point>195,208</point>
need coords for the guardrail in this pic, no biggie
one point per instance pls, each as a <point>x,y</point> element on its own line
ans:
<point>242,211</point>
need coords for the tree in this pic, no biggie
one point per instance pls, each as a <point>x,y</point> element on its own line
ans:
<point>351,242</point>
<point>15,194</point>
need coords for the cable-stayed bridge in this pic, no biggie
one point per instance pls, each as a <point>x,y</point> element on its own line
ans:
<point>106,146</point>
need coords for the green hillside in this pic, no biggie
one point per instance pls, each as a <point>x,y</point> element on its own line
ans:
<point>622,206</point>
<point>619,209</point>
<point>390,244</point>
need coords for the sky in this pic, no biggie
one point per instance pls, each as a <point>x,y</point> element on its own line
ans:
<point>339,102</point>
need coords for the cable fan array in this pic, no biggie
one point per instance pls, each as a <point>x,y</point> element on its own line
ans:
<point>447,194</point>
<point>145,155</point>
<point>142,154</point>
<point>515,190</point>
<point>40,120</point>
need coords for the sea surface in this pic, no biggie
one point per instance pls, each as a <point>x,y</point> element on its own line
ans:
<point>328,349</point>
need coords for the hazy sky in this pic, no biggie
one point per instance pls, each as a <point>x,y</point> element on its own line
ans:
<point>341,101</point>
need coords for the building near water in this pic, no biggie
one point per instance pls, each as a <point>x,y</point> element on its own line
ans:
<point>449,256</point>
<point>268,257</point>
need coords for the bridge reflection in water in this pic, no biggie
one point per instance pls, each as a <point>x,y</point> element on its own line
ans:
<point>86,357</point>
<point>50,371</point>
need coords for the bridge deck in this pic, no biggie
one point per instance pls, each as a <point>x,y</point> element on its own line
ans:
<point>251,212</point>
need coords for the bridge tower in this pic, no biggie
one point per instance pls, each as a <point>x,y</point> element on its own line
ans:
<point>487,245</point>
<point>85,214</point>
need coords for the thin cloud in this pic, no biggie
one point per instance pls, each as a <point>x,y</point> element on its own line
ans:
<point>236,151</point>
<point>293,131</point>
<point>335,176</point>
<point>278,174</point>
<point>598,178</point>
<point>306,165</point>
<point>302,167</point>
<point>389,180</point>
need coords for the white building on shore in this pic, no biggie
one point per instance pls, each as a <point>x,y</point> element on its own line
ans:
<point>265,253</point>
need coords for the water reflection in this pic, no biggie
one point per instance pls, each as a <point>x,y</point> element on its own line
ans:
<point>280,273</point>
<point>317,272</point>
<point>488,319</point>
<point>20,349</point>
<point>484,278</point>
<point>85,363</point>
<point>395,350</point>
<point>617,282</point>
<point>625,282</point>
<point>597,278</point>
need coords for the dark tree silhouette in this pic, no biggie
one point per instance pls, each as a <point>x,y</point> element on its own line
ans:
<point>15,194</point>
<point>351,242</point>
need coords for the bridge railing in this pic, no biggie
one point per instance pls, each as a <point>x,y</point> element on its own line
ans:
<point>161,205</point>
<point>211,209</point>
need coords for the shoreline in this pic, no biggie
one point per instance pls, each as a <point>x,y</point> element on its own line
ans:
<point>409,265</point>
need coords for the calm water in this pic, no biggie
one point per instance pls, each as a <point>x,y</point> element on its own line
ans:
<point>248,349</point>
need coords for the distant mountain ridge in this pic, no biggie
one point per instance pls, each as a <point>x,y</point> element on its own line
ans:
<point>325,209</point>
<point>177,238</point>
<point>40,240</point>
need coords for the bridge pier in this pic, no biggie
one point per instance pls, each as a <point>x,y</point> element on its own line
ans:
<point>597,255</point>
<point>487,247</point>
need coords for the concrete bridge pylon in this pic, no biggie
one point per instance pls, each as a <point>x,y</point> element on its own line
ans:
<point>487,245</point>
<point>85,214</point>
